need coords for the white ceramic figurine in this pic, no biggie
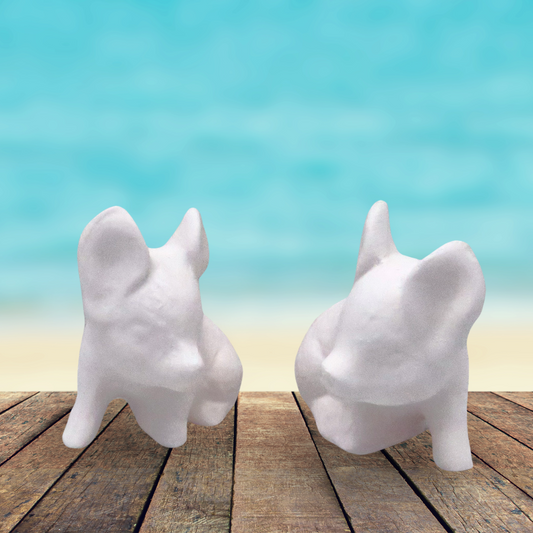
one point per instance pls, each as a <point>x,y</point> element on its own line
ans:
<point>146,338</point>
<point>390,360</point>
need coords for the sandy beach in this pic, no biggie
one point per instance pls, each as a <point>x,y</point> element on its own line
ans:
<point>501,358</point>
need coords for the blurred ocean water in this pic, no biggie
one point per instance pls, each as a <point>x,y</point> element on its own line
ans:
<point>282,122</point>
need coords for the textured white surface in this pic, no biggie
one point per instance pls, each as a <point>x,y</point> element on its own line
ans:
<point>146,339</point>
<point>390,360</point>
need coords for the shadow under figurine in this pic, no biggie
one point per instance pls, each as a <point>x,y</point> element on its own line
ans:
<point>390,360</point>
<point>146,339</point>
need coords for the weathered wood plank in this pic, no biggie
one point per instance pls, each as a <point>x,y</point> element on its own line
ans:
<point>194,493</point>
<point>507,456</point>
<point>30,473</point>
<point>475,500</point>
<point>9,399</point>
<point>513,419</point>
<point>23,422</point>
<point>107,488</point>
<point>280,483</point>
<point>372,492</point>
<point>525,399</point>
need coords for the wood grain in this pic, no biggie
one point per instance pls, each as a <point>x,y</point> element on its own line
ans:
<point>107,488</point>
<point>30,473</point>
<point>516,464</point>
<point>475,500</point>
<point>372,492</point>
<point>504,414</point>
<point>9,399</point>
<point>280,484</point>
<point>25,421</point>
<point>525,399</point>
<point>194,493</point>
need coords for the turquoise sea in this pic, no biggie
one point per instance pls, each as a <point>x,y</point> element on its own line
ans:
<point>282,122</point>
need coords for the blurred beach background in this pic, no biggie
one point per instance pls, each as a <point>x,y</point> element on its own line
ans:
<point>282,122</point>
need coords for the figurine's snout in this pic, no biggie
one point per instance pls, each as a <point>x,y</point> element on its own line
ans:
<point>182,367</point>
<point>338,373</point>
<point>191,359</point>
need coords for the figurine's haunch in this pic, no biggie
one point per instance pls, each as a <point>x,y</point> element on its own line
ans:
<point>390,360</point>
<point>146,339</point>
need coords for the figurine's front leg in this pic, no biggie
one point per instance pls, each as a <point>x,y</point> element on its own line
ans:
<point>86,416</point>
<point>161,413</point>
<point>221,378</point>
<point>447,420</point>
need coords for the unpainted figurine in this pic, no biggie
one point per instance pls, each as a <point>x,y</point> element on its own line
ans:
<point>146,338</point>
<point>390,360</point>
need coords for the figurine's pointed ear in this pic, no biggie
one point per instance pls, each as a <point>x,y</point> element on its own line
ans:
<point>112,255</point>
<point>446,288</point>
<point>190,237</point>
<point>376,242</point>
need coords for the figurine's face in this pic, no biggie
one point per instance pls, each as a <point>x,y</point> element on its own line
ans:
<point>389,349</point>
<point>142,306</point>
<point>154,329</point>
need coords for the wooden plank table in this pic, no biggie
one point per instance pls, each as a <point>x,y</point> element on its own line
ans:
<point>265,468</point>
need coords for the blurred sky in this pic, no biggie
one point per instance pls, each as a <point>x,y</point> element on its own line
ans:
<point>281,121</point>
